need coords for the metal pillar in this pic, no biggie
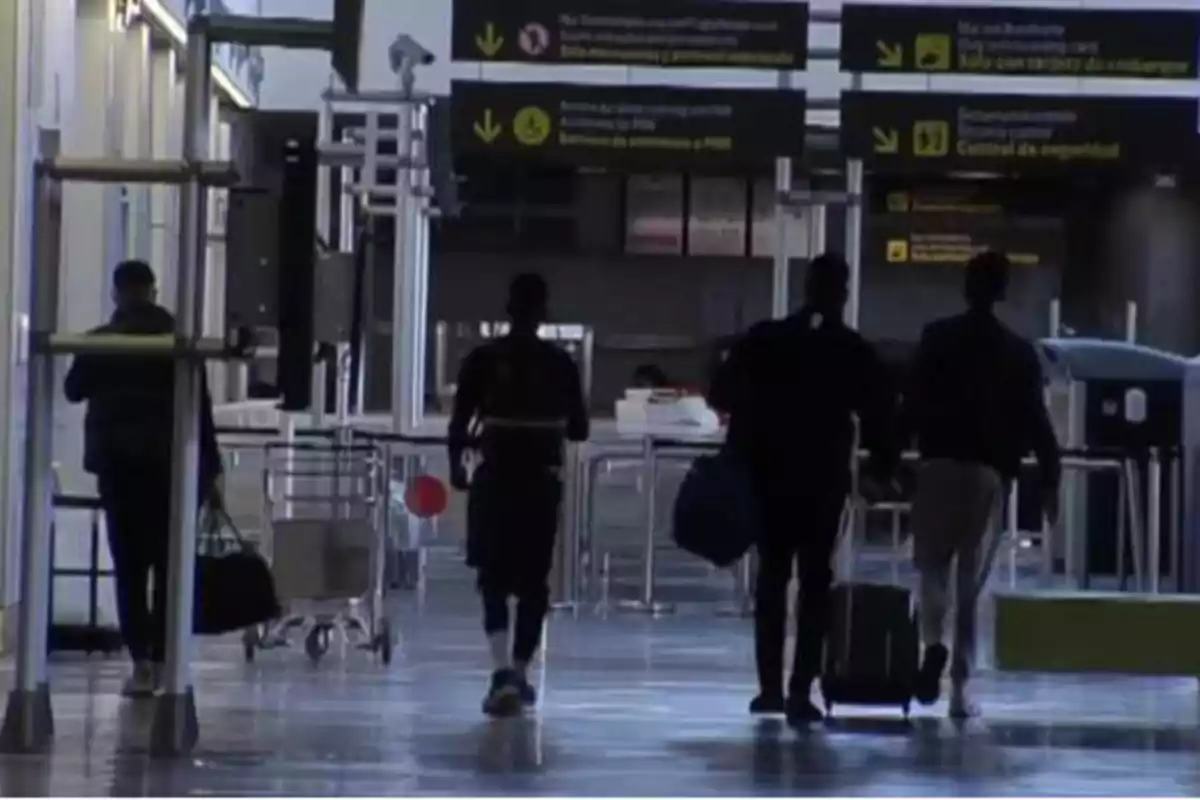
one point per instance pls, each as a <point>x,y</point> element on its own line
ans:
<point>782,269</point>
<point>175,728</point>
<point>854,212</point>
<point>854,220</point>
<point>403,289</point>
<point>28,719</point>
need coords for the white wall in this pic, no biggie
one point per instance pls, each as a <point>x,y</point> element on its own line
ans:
<point>294,79</point>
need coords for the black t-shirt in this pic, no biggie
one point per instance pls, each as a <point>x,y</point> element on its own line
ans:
<point>522,396</point>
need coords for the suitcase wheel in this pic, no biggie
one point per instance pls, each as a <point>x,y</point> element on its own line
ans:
<point>317,642</point>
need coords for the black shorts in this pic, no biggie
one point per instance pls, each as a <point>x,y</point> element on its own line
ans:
<point>512,524</point>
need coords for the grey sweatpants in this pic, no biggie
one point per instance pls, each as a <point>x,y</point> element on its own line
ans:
<point>953,514</point>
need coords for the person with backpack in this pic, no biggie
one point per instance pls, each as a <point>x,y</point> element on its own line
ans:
<point>128,433</point>
<point>523,397</point>
<point>792,388</point>
<point>976,407</point>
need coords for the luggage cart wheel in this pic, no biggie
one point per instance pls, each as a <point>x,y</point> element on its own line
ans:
<point>317,642</point>
<point>384,642</point>
<point>250,642</point>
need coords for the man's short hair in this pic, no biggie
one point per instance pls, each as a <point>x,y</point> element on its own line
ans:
<point>528,293</point>
<point>133,275</point>
<point>827,278</point>
<point>986,281</point>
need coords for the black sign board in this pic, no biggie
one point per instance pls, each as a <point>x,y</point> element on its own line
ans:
<point>945,223</point>
<point>939,132</point>
<point>994,40</point>
<point>660,33</point>
<point>595,124</point>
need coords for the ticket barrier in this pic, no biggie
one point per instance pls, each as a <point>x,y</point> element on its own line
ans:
<point>453,341</point>
<point>1123,403</point>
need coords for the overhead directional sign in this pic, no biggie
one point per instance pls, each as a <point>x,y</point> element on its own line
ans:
<point>591,123</point>
<point>935,131</point>
<point>662,33</point>
<point>996,40</point>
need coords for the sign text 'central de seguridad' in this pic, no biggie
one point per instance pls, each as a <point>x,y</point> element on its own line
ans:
<point>977,131</point>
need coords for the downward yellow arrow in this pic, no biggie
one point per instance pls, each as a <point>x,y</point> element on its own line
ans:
<point>887,140</point>
<point>487,130</point>
<point>890,55</point>
<point>489,42</point>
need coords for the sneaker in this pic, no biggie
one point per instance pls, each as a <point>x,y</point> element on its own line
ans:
<point>929,678</point>
<point>504,695</point>
<point>961,706</point>
<point>526,692</point>
<point>801,712</point>
<point>768,703</point>
<point>142,683</point>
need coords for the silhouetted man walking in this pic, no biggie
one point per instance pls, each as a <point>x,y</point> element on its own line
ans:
<point>792,388</point>
<point>127,446</point>
<point>977,408</point>
<point>524,397</point>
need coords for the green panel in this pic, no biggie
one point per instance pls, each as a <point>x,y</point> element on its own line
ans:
<point>1098,632</point>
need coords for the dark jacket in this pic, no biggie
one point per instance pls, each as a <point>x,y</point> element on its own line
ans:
<point>976,395</point>
<point>792,389</point>
<point>130,402</point>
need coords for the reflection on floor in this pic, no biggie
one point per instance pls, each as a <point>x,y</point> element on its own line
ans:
<point>631,707</point>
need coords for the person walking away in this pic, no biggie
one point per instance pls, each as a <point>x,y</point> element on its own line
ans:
<point>524,396</point>
<point>977,409</point>
<point>792,388</point>
<point>127,446</point>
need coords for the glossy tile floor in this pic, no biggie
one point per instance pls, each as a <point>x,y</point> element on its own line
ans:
<point>631,707</point>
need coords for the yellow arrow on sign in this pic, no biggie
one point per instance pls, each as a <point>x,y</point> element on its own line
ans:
<point>488,131</point>
<point>887,140</point>
<point>489,42</point>
<point>890,55</point>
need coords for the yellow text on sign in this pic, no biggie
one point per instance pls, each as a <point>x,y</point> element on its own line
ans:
<point>531,126</point>
<point>931,52</point>
<point>931,138</point>
<point>897,202</point>
<point>897,251</point>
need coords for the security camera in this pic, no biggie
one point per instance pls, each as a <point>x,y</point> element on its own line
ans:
<point>406,52</point>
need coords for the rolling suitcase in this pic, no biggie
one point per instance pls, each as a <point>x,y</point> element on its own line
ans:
<point>872,650</point>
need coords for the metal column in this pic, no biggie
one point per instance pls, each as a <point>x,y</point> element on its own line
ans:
<point>404,295</point>
<point>781,272</point>
<point>854,189</point>
<point>175,727</point>
<point>28,719</point>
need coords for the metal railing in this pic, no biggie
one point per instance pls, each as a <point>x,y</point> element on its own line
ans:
<point>583,567</point>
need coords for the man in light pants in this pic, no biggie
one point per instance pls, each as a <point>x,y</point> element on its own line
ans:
<point>977,408</point>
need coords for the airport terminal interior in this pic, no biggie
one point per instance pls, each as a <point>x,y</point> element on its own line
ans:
<point>334,200</point>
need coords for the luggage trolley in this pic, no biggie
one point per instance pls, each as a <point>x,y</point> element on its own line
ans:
<point>325,539</point>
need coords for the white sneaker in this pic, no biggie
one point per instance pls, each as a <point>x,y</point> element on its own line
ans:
<point>142,682</point>
<point>961,706</point>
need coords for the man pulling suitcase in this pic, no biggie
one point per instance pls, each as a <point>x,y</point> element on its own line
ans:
<point>792,388</point>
